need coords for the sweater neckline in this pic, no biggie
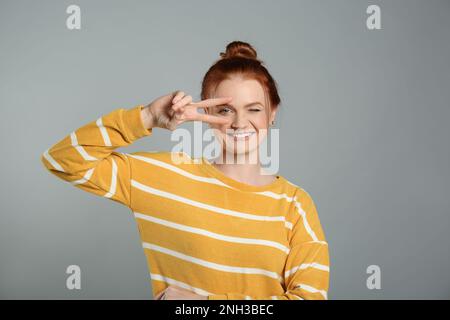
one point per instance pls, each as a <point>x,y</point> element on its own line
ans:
<point>209,167</point>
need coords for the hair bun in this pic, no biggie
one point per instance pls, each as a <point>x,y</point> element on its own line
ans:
<point>239,49</point>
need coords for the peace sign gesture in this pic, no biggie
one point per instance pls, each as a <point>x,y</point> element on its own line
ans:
<point>171,110</point>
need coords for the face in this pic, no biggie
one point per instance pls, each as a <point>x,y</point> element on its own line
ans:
<point>247,113</point>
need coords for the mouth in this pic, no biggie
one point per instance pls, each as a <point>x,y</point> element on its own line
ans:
<point>241,136</point>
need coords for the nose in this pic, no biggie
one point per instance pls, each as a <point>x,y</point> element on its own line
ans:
<point>239,122</point>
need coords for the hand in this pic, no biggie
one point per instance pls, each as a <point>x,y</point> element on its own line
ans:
<point>171,110</point>
<point>176,293</point>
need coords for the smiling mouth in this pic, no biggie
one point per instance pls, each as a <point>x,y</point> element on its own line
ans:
<point>241,136</point>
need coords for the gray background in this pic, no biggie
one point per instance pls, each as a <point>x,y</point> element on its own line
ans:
<point>364,129</point>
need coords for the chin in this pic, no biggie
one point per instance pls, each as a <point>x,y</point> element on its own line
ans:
<point>240,151</point>
<point>239,148</point>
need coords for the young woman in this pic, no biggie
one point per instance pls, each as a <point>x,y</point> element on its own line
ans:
<point>210,229</point>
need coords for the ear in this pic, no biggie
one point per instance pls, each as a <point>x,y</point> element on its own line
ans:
<point>273,113</point>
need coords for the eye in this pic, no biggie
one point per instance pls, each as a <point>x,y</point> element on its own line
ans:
<point>255,110</point>
<point>224,109</point>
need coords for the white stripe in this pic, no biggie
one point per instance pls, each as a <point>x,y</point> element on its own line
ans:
<point>212,265</point>
<point>179,171</point>
<point>288,224</point>
<point>307,265</point>
<point>215,181</point>
<point>212,234</point>
<point>103,131</point>
<point>305,221</point>
<point>85,178</point>
<point>297,205</point>
<point>311,289</point>
<point>112,188</point>
<point>296,296</point>
<point>203,179</point>
<point>205,206</point>
<point>80,149</point>
<point>170,281</point>
<point>275,195</point>
<point>52,161</point>
<point>318,242</point>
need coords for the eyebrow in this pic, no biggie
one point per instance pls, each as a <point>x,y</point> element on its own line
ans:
<point>247,105</point>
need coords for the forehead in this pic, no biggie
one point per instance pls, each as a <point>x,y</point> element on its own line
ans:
<point>242,91</point>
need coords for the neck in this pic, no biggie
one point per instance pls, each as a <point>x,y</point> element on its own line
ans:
<point>245,168</point>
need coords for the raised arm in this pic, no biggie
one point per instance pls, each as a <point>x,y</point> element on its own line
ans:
<point>86,157</point>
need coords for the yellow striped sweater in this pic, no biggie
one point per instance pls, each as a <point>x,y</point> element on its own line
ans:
<point>200,229</point>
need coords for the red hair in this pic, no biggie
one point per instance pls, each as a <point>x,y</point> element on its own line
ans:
<point>240,59</point>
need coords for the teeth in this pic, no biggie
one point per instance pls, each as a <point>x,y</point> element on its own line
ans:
<point>241,135</point>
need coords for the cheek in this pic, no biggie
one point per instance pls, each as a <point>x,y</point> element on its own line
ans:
<point>262,134</point>
<point>260,120</point>
<point>262,129</point>
<point>219,133</point>
<point>261,126</point>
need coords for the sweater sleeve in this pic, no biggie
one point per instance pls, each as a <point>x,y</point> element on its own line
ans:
<point>86,158</point>
<point>306,272</point>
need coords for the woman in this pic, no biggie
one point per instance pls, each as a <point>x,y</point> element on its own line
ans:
<point>211,229</point>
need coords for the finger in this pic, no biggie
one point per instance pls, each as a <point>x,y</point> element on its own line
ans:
<point>212,119</point>
<point>178,95</point>
<point>182,102</point>
<point>211,102</point>
<point>159,295</point>
<point>172,124</point>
